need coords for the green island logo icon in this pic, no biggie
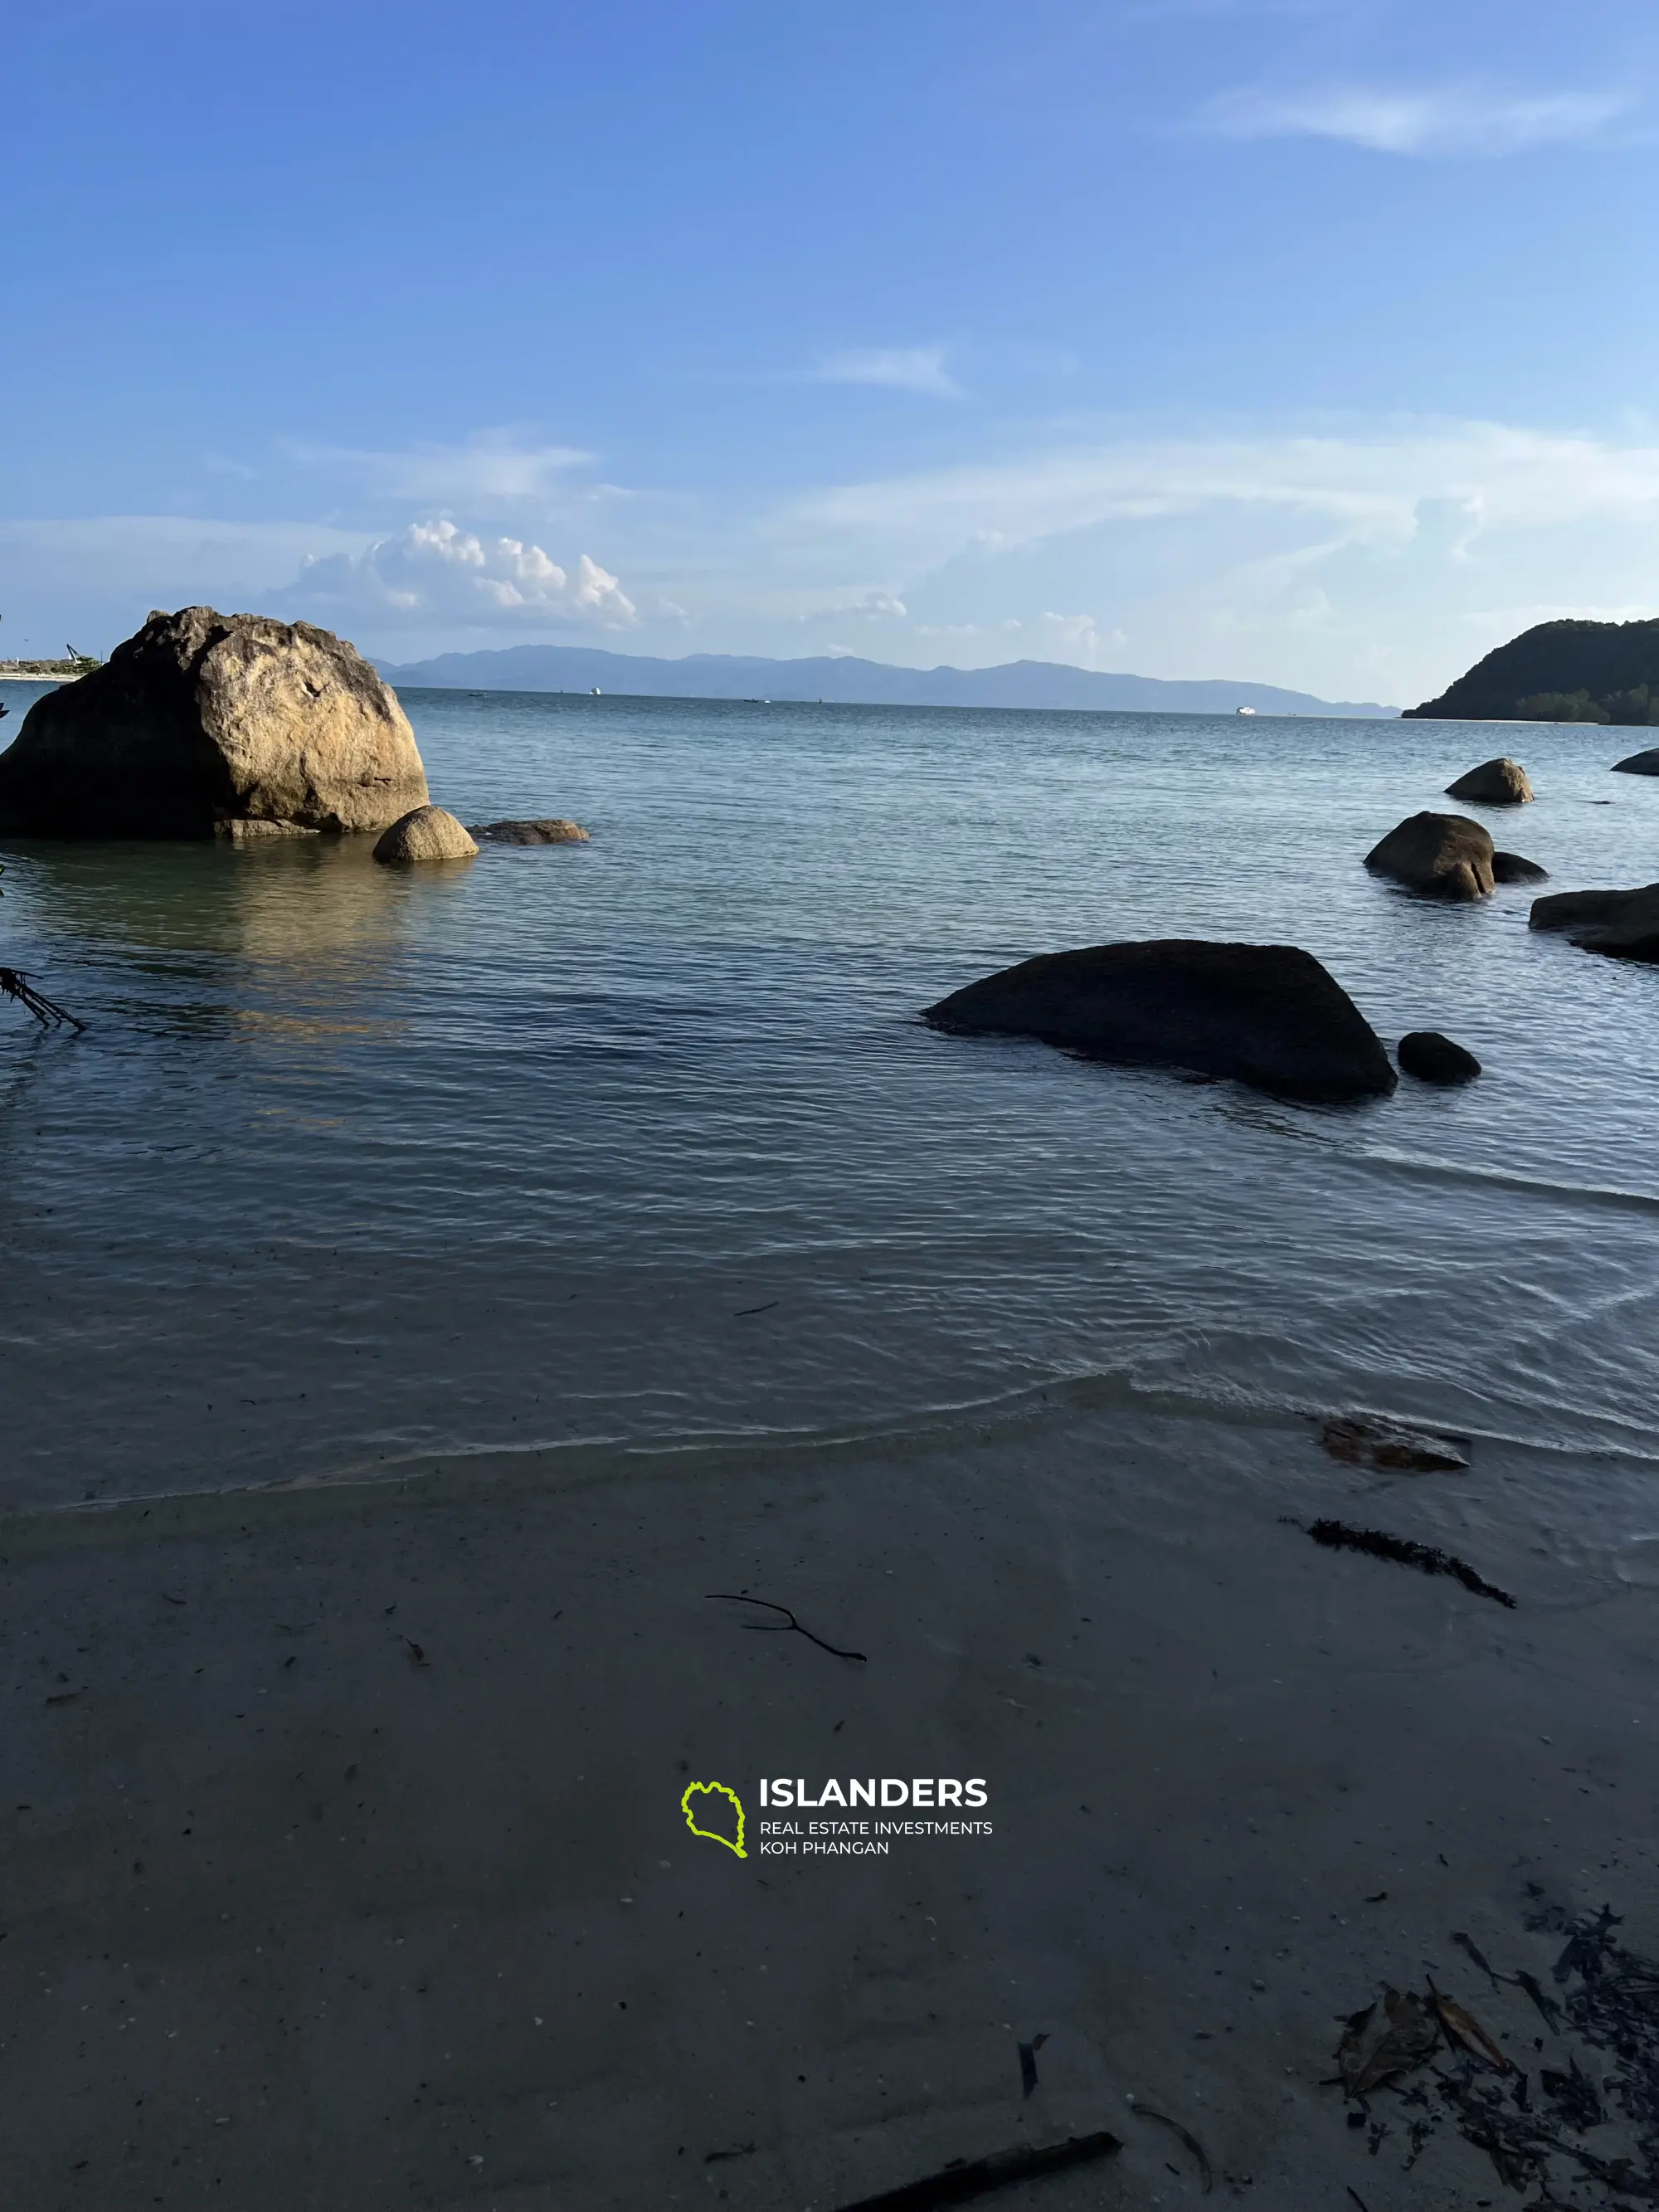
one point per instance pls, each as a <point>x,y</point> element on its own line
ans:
<point>713,1835</point>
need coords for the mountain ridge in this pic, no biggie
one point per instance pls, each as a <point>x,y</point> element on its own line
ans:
<point>847,680</point>
<point>1572,670</point>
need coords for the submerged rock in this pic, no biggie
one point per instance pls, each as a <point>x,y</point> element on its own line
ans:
<point>1510,868</point>
<point>1645,764</point>
<point>1625,925</point>
<point>1432,1058</point>
<point>1268,1015</point>
<point>1359,1442</point>
<point>1500,782</point>
<point>1444,855</point>
<point>427,833</point>
<point>201,721</point>
<point>553,831</point>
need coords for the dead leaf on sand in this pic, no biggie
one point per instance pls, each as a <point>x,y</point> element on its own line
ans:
<point>1463,2028</point>
<point>1412,2033</point>
<point>1350,2052</point>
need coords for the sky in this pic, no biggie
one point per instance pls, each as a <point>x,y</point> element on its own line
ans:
<point>1312,342</point>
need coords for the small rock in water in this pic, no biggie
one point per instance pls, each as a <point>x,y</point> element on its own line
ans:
<point>1359,1442</point>
<point>552,831</point>
<point>1432,1058</point>
<point>427,833</point>
<point>1494,783</point>
<point>1446,855</point>
<point>1510,868</point>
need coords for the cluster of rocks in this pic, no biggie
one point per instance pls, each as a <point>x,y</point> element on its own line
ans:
<point>1267,1015</point>
<point>237,726</point>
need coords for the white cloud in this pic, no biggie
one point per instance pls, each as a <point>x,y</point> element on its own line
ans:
<point>1470,120</point>
<point>493,467</point>
<point>900,368</point>
<point>436,570</point>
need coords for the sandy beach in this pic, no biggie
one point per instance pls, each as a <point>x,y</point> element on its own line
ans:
<point>346,1863</point>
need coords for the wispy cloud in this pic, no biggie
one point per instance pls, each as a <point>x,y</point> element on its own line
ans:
<point>1373,484</point>
<point>1468,121</point>
<point>490,467</point>
<point>900,368</point>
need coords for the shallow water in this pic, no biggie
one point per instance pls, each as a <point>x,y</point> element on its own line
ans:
<point>641,1141</point>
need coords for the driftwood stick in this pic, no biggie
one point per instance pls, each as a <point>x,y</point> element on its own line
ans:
<point>783,1628</point>
<point>46,1011</point>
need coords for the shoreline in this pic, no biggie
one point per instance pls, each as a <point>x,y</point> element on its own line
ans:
<point>355,1826</point>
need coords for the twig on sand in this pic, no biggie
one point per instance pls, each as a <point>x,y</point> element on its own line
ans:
<point>957,2183</point>
<point>783,1628</point>
<point>1145,2112</point>
<point>1427,1559</point>
<point>14,985</point>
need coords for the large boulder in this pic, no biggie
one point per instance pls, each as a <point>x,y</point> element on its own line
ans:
<point>1625,925</point>
<point>547,830</point>
<point>425,833</point>
<point>202,720</point>
<point>1645,764</point>
<point>1494,783</point>
<point>1444,855</point>
<point>1268,1015</point>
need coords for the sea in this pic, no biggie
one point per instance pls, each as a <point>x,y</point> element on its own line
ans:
<point>642,1144</point>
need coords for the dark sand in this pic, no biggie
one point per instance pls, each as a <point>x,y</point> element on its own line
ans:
<point>292,1920</point>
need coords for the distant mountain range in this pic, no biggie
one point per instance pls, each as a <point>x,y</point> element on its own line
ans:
<point>844,681</point>
<point>1560,671</point>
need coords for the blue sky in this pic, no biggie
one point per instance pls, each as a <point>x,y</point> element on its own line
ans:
<point>1310,341</point>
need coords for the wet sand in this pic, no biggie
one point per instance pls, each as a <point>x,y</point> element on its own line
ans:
<point>297,1915</point>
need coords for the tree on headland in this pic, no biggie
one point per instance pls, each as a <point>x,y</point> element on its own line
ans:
<point>1560,671</point>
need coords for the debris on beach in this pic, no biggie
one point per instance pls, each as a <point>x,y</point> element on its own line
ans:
<point>783,1628</point>
<point>1410,2038</point>
<point>1603,2083</point>
<point>963,2179</point>
<point>1391,1448</point>
<point>1463,2028</point>
<point>1206,2176</point>
<point>1028,2073</point>
<point>1427,1559</point>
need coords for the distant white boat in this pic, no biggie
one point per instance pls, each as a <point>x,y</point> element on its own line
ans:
<point>1243,710</point>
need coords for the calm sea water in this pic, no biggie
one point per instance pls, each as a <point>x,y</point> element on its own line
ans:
<point>641,1141</point>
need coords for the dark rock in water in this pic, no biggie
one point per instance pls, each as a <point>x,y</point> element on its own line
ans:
<point>201,721</point>
<point>1645,764</point>
<point>1510,868</point>
<point>1359,1442</point>
<point>1625,925</point>
<point>1268,1015</point>
<point>549,831</point>
<point>1495,783</point>
<point>1432,1058</point>
<point>1444,855</point>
